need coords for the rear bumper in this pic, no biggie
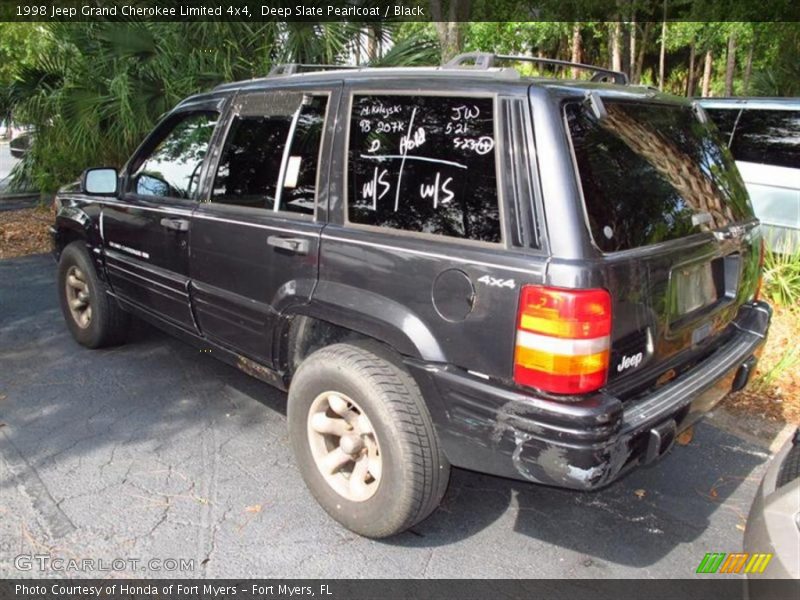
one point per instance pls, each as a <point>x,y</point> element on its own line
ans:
<point>580,445</point>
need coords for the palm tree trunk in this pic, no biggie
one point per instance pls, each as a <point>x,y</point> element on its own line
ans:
<point>577,48</point>
<point>648,28</point>
<point>633,49</point>
<point>372,45</point>
<point>663,58</point>
<point>449,32</point>
<point>690,76</point>
<point>616,50</point>
<point>730,67</point>
<point>707,75</point>
<point>748,69</point>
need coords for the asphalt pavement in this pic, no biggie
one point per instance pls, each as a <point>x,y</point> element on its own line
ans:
<point>154,450</point>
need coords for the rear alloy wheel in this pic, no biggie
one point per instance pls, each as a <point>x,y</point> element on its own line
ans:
<point>344,446</point>
<point>364,440</point>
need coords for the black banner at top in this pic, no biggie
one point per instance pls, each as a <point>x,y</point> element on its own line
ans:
<point>397,10</point>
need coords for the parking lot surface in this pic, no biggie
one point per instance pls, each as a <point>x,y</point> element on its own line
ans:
<point>154,450</point>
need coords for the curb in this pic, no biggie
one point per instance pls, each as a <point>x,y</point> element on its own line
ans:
<point>768,435</point>
<point>19,196</point>
<point>18,201</point>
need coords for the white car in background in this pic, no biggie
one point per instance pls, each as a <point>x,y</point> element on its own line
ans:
<point>764,137</point>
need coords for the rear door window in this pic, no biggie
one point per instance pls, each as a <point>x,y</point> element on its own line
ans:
<point>652,173</point>
<point>271,153</point>
<point>769,137</point>
<point>424,164</point>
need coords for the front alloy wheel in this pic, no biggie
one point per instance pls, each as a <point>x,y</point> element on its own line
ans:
<point>79,299</point>
<point>93,317</point>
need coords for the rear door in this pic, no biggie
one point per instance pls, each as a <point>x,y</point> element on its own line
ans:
<point>146,237</point>
<point>429,240</point>
<point>255,236</point>
<point>670,218</point>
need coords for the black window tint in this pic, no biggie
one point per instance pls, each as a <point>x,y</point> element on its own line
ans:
<point>424,164</point>
<point>652,173</point>
<point>768,136</point>
<point>254,158</point>
<point>247,174</point>
<point>172,169</point>
<point>725,120</point>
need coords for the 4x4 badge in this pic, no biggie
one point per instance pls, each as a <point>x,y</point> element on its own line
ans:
<point>494,282</point>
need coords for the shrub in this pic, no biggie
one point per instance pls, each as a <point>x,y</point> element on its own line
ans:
<point>782,276</point>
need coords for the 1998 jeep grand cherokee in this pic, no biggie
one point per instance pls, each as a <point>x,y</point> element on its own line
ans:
<point>539,279</point>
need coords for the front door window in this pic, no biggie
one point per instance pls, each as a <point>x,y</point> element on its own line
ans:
<point>172,168</point>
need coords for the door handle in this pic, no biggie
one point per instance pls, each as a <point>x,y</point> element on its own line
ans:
<point>175,224</point>
<point>294,245</point>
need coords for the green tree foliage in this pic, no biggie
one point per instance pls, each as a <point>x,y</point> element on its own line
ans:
<point>94,90</point>
<point>777,71</point>
<point>101,86</point>
<point>20,45</point>
<point>764,58</point>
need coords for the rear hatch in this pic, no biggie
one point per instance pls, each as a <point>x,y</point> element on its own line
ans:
<point>672,223</point>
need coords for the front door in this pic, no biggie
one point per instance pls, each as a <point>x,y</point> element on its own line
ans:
<point>255,237</point>
<point>146,236</point>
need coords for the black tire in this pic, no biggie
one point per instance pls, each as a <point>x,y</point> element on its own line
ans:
<point>108,322</point>
<point>415,472</point>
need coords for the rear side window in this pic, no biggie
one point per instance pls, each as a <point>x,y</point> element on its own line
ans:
<point>652,173</point>
<point>768,136</point>
<point>424,164</point>
<point>258,170</point>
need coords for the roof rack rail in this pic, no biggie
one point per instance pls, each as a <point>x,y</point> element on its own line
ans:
<point>487,60</point>
<point>292,68</point>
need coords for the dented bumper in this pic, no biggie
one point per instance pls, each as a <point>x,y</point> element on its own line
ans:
<point>587,444</point>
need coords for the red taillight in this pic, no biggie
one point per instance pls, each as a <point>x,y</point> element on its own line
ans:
<point>757,295</point>
<point>563,339</point>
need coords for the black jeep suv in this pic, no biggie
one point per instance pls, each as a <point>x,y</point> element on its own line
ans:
<point>536,278</point>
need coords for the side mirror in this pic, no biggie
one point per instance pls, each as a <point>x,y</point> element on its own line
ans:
<point>102,181</point>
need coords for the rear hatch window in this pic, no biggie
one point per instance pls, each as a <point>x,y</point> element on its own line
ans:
<point>651,173</point>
